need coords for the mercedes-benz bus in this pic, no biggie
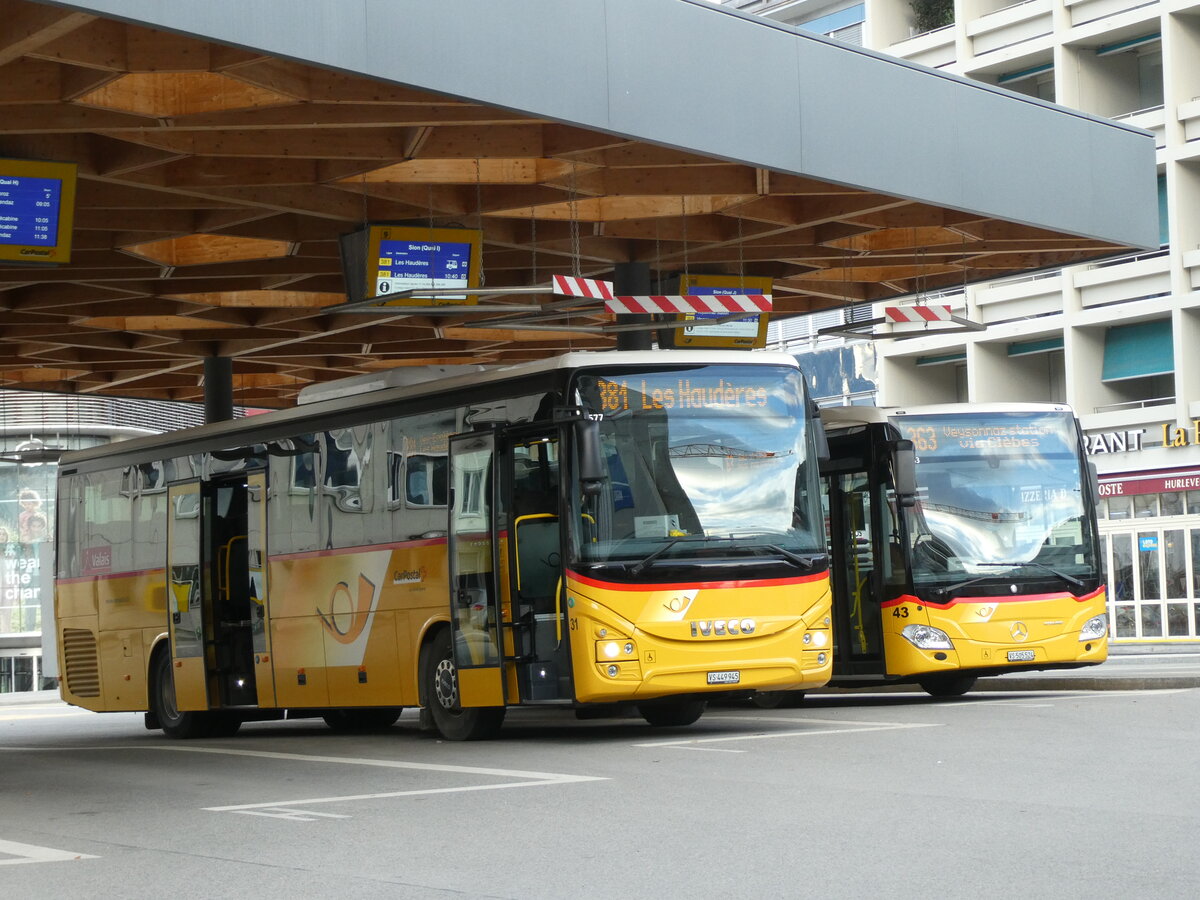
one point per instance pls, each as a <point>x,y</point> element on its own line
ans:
<point>963,543</point>
<point>588,531</point>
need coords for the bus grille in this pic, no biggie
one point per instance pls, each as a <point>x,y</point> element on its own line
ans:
<point>82,662</point>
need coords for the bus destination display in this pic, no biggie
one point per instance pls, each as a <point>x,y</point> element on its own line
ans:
<point>929,438</point>
<point>641,394</point>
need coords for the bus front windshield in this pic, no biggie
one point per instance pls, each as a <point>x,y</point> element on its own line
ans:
<point>701,462</point>
<point>998,494</point>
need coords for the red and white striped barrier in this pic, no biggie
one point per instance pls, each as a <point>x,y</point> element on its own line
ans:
<point>918,314</point>
<point>689,303</point>
<point>567,286</point>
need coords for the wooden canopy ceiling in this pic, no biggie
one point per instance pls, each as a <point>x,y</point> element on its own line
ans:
<point>215,182</point>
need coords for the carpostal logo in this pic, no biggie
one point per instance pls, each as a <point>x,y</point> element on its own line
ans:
<point>408,576</point>
<point>346,616</point>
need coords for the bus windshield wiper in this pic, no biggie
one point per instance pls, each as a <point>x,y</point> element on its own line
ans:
<point>639,567</point>
<point>1069,579</point>
<point>804,562</point>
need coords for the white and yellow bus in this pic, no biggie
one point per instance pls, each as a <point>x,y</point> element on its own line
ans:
<point>602,528</point>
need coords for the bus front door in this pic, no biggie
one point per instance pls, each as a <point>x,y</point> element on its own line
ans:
<point>855,545</point>
<point>534,589</point>
<point>473,560</point>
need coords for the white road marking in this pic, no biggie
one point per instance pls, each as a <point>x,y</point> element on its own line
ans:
<point>531,779</point>
<point>17,717</point>
<point>30,853</point>
<point>294,815</point>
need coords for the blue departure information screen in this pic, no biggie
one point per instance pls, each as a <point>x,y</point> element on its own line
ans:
<point>29,209</point>
<point>408,264</point>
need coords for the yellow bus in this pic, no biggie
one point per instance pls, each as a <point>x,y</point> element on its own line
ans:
<point>963,543</point>
<point>589,531</point>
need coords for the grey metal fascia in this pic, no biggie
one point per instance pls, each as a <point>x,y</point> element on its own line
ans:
<point>706,79</point>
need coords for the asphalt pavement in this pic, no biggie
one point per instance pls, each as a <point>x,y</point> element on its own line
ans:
<point>1128,668</point>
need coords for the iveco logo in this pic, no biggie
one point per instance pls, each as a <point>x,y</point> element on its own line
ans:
<point>1019,631</point>
<point>722,627</point>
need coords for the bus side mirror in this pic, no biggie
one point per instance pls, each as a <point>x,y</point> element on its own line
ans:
<point>904,471</point>
<point>591,463</point>
<point>819,436</point>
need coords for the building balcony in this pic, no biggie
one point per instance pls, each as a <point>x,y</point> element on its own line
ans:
<point>1153,120</point>
<point>1189,116</point>
<point>1124,279</point>
<point>1011,25</point>
<point>1083,11</point>
<point>1120,416</point>
<point>933,48</point>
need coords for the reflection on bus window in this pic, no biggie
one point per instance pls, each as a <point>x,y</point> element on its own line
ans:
<point>425,480</point>
<point>996,488</point>
<point>709,461</point>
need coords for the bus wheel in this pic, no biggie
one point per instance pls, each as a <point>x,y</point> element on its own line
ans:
<point>174,723</point>
<point>947,685</point>
<point>672,713</point>
<point>777,699</point>
<point>439,693</point>
<point>347,720</point>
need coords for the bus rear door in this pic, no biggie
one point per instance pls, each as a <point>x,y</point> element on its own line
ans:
<point>185,598</point>
<point>473,561</point>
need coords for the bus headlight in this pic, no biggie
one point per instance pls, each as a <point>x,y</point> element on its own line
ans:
<point>926,637</point>
<point>616,650</point>
<point>1095,627</point>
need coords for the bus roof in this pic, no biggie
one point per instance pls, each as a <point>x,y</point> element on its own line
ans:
<point>281,423</point>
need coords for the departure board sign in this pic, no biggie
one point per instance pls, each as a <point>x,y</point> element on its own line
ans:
<point>407,258</point>
<point>37,211</point>
<point>698,330</point>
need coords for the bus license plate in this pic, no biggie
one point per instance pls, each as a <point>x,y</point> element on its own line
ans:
<point>724,677</point>
<point>1020,655</point>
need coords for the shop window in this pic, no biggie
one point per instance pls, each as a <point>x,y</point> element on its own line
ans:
<point>1145,506</point>
<point>1171,504</point>
<point>1177,620</point>
<point>1148,565</point>
<point>1120,507</point>
<point>1175,567</point>
<point>1193,503</point>
<point>1152,620</point>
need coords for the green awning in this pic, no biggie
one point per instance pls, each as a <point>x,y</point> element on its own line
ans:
<point>1025,348</point>
<point>1138,351</point>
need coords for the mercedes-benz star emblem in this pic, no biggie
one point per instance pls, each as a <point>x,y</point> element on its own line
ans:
<point>1019,631</point>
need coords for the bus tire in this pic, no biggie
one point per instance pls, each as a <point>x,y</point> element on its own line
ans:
<point>777,699</point>
<point>947,685</point>
<point>371,719</point>
<point>672,713</point>
<point>439,693</point>
<point>174,724</point>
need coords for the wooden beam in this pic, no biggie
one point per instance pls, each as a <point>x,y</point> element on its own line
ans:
<point>28,26</point>
<point>297,143</point>
<point>99,44</point>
